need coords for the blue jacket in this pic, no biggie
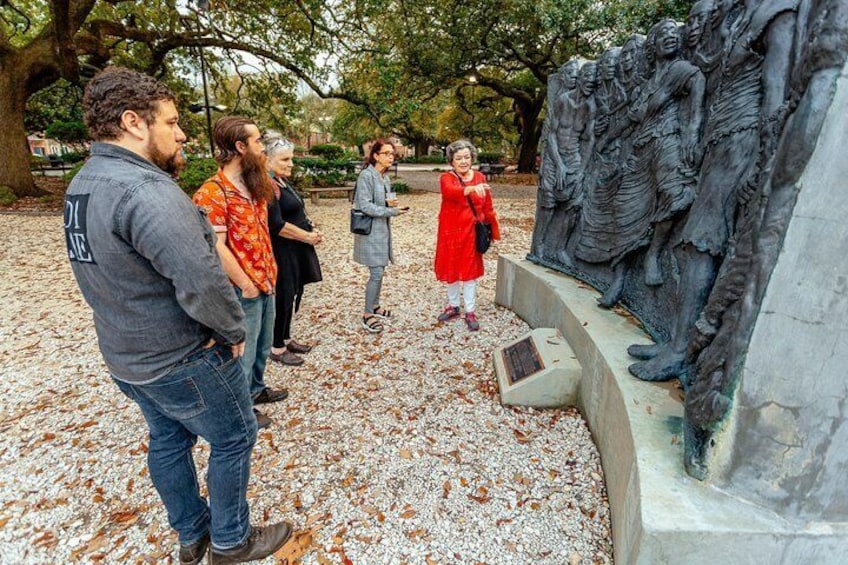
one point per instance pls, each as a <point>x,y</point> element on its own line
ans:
<point>144,258</point>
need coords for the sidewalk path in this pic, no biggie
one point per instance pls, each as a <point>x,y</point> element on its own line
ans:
<point>393,448</point>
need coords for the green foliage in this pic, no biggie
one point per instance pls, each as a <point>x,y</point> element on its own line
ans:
<point>75,156</point>
<point>328,151</point>
<point>196,171</point>
<point>37,162</point>
<point>69,176</point>
<point>425,159</point>
<point>310,171</point>
<point>60,102</point>
<point>400,186</point>
<point>7,196</point>
<point>486,157</point>
<point>73,132</point>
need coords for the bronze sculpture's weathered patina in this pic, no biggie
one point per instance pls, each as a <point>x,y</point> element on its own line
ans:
<point>687,176</point>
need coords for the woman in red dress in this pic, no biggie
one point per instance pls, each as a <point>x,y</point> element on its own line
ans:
<point>457,261</point>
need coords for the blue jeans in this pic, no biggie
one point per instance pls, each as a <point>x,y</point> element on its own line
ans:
<point>203,395</point>
<point>259,334</point>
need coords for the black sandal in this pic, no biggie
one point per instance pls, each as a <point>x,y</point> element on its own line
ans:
<point>372,323</point>
<point>382,312</point>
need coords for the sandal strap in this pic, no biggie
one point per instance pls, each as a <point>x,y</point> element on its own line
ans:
<point>382,312</point>
<point>372,321</point>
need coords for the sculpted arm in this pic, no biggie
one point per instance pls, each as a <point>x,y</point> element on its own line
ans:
<point>692,116</point>
<point>779,40</point>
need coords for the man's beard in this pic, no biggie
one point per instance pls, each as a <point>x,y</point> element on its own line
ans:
<point>254,173</point>
<point>172,164</point>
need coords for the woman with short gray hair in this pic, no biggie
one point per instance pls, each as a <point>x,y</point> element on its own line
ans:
<point>293,238</point>
<point>466,198</point>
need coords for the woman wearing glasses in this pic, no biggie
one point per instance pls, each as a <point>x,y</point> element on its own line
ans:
<point>466,197</point>
<point>293,237</point>
<point>375,249</point>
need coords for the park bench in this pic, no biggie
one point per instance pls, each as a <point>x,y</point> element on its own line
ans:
<point>314,192</point>
<point>492,170</point>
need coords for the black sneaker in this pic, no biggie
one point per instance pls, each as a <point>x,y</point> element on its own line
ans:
<point>194,553</point>
<point>262,421</point>
<point>269,395</point>
<point>261,543</point>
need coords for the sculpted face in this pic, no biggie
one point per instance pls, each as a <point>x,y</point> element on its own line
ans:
<point>631,50</point>
<point>588,78</point>
<point>667,42</point>
<point>698,17</point>
<point>608,64</point>
<point>570,71</point>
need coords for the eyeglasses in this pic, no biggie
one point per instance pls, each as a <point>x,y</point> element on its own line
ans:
<point>392,153</point>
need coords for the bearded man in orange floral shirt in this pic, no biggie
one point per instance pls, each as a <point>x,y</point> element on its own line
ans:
<point>236,203</point>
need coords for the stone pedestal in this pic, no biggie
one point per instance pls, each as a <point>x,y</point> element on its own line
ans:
<point>660,515</point>
<point>538,370</point>
<point>786,446</point>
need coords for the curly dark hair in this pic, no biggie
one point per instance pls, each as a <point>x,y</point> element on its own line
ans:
<point>115,90</point>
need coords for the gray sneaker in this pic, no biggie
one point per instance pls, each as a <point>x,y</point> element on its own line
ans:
<point>449,313</point>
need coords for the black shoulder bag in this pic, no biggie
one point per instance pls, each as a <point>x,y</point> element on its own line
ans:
<point>360,222</point>
<point>482,228</point>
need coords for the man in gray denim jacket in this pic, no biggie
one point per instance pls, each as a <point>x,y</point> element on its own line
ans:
<point>168,323</point>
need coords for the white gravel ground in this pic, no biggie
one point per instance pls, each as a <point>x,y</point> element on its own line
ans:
<point>392,448</point>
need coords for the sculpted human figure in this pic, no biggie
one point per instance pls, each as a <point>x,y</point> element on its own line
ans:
<point>574,139</point>
<point>658,181</point>
<point>750,100</point>
<point>672,101</point>
<point>724,327</point>
<point>553,166</point>
<point>608,215</point>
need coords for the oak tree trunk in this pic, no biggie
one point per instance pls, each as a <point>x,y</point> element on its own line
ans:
<point>529,126</point>
<point>14,149</point>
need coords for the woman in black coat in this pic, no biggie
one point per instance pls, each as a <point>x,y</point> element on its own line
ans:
<point>293,237</point>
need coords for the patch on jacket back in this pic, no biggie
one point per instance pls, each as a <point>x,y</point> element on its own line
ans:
<point>76,232</point>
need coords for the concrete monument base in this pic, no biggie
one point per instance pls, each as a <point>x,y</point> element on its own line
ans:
<point>537,370</point>
<point>659,513</point>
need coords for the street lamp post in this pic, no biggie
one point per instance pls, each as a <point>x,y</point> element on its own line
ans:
<point>206,103</point>
<point>203,6</point>
<point>472,79</point>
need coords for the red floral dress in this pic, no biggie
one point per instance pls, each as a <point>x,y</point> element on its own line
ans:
<point>456,255</point>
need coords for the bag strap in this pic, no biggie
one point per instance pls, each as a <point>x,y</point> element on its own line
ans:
<point>468,197</point>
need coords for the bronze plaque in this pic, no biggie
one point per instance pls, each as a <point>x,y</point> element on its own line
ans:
<point>522,360</point>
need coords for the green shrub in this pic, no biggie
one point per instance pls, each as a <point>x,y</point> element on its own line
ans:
<point>36,162</point>
<point>328,151</point>
<point>310,171</point>
<point>401,187</point>
<point>69,176</point>
<point>196,171</point>
<point>7,197</point>
<point>75,156</point>
<point>489,157</point>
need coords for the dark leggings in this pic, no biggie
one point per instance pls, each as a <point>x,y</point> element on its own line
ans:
<point>288,302</point>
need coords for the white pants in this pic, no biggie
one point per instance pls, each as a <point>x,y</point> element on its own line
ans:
<point>469,294</point>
